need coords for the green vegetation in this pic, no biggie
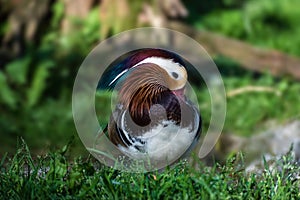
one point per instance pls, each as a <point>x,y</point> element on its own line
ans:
<point>35,90</point>
<point>251,112</point>
<point>51,176</point>
<point>42,79</point>
<point>35,103</point>
<point>267,23</point>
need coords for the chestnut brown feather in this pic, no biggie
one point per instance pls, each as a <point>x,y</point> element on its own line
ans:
<point>145,86</point>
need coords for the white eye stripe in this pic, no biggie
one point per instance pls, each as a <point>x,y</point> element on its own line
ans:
<point>119,75</point>
<point>168,64</point>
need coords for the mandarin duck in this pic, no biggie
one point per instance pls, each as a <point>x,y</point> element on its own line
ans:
<point>152,116</point>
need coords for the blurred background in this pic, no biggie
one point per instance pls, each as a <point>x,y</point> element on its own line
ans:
<point>255,44</point>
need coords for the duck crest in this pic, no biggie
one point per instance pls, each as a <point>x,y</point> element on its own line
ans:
<point>121,65</point>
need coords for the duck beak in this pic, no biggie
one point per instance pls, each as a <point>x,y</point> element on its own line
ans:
<point>179,93</point>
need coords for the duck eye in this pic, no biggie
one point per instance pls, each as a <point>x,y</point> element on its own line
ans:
<point>175,75</point>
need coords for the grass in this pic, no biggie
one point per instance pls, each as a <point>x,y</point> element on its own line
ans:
<point>52,177</point>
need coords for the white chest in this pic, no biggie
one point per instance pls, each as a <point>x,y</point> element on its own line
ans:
<point>164,143</point>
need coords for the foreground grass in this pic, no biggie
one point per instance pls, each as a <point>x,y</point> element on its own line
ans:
<point>52,176</point>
